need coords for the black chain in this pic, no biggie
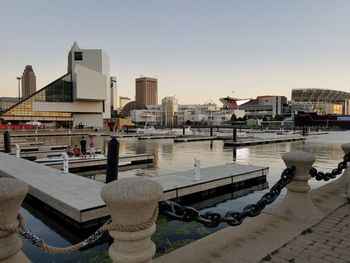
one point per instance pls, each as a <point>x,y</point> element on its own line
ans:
<point>212,219</point>
<point>333,174</point>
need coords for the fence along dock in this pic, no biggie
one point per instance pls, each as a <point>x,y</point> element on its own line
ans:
<point>78,198</point>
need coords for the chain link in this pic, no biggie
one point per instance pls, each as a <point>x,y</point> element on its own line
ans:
<point>319,176</point>
<point>213,219</point>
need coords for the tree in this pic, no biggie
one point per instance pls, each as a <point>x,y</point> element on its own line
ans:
<point>278,117</point>
<point>233,118</point>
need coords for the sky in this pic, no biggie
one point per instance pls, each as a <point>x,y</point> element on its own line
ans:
<point>199,50</point>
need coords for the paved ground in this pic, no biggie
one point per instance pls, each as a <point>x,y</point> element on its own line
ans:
<point>328,241</point>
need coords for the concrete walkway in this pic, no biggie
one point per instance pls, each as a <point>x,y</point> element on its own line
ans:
<point>327,241</point>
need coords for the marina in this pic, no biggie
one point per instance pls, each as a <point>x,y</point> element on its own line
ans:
<point>175,158</point>
<point>77,198</point>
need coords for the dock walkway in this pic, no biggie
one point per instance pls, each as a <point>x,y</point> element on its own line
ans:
<point>255,141</point>
<point>78,198</point>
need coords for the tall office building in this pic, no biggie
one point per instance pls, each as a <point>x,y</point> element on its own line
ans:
<point>28,82</point>
<point>146,92</point>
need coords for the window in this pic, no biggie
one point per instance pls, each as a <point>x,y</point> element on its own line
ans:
<point>78,56</point>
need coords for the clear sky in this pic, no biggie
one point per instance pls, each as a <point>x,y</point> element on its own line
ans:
<point>199,50</point>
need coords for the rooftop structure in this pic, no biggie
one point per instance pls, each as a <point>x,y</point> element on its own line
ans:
<point>265,106</point>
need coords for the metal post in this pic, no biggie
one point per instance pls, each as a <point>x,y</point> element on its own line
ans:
<point>197,170</point>
<point>18,150</point>
<point>234,135</point>
<point>65,163</point>
<point>112,160</point>
<point>211,131</point>
<point>7,141</point>
<point>183,130</point>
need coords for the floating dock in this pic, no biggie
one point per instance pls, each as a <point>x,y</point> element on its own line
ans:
<point>128,159</point>
<point>181,184</point>
<point>156,136</point>
<point>194,139</point>
<point>33,155</point>
<point>77,199</point>
<point>262,141</point>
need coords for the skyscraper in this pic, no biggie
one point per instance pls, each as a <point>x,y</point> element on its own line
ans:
<point>28,82</point>
<point>146,92</point>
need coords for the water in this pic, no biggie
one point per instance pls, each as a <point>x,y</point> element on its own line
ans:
<point>174,157</point>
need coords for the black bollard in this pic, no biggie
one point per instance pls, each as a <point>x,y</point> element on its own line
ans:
<point>234,153</point>
<point>304,131</point>
<point>211,131</point>
<point>7,142</point>
<point>183,130</point>
<point>127,129</point>
<point>234,135</point>
<point>112,160</point>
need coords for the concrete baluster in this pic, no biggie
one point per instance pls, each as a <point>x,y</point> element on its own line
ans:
<point>297,204</point>
<point>132,202</point>
<point>12,193</point>
<point>346,174</point>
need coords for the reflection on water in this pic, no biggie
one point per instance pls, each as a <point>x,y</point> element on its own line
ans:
<point>173,157</point>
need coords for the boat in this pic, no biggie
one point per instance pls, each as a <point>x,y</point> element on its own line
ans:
<point>313,119</point>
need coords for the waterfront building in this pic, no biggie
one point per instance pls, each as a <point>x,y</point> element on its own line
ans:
<point>151,116</point>
<point>79,97</point>
<point>28,82</point>
<point>321,101</point>
<point>170,109</point>
<point>146,92</point>
<point>265,107</point>
<point>7,102</point>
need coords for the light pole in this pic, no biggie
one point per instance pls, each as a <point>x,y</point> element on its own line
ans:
<point>19,91</point>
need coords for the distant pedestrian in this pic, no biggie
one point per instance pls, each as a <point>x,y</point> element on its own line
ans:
<point>83,147</point>
<point>76,151</point>
<point>69,151</point>
<point>92,146</point>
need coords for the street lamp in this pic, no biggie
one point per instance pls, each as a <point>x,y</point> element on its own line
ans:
<point>19,91</point>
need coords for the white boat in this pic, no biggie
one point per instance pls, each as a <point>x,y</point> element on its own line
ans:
<point>179,131</point>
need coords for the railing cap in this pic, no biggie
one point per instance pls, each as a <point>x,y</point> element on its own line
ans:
<point>11,188</point>
<point>132,190</point>
<point>346,147</point>
<point>299,156</point>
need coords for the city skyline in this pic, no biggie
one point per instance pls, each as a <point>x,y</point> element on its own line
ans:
<point>198,52</point>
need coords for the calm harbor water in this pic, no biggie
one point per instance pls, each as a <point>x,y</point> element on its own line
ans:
<point>174,157</point>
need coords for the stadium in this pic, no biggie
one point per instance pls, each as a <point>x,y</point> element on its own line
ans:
<point>321,101</point>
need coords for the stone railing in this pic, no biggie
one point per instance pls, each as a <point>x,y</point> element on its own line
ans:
<point>133,205</point>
